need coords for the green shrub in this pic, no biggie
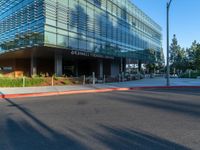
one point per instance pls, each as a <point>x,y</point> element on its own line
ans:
<point>193,75</point>
<point>1,75</point>
<point>34,81</point>
<point>37,81</point>
<point>18,82</point>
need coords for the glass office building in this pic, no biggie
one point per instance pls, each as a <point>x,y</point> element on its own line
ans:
<point>98,35</point>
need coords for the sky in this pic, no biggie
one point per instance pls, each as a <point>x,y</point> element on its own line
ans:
<point>184,19</point>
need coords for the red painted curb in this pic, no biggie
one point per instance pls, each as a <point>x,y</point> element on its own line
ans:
<point>2,96</point>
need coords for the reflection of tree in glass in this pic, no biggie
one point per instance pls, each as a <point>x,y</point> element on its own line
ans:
<point>23,40</point>
<point>79,19</point>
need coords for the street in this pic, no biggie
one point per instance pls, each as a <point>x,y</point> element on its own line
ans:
<point>153,119</point>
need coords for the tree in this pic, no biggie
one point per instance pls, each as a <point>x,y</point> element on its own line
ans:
<point>191,52</point>
<point>174,48</point>
<point>181,63</point>
<point>181,59</point>
<point>155,61</point>
<point>197,57</point>
<point>178,58</point>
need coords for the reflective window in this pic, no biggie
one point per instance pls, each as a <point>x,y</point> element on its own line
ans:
<point>111,27</point>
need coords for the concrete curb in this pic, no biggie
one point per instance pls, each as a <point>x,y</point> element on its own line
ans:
<point>4,96</point>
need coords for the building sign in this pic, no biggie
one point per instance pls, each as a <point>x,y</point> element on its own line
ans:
<point>88,54</point>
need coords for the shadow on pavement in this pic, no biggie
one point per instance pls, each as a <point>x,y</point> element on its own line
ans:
<point>21,135</point>
<point>128,139</point>
<point>161,103</point>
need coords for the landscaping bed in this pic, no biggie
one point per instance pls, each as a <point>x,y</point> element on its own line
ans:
<point>38,81</point>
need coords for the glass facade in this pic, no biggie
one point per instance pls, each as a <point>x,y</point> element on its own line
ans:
<point>21,24</point>
<point>107,27</point>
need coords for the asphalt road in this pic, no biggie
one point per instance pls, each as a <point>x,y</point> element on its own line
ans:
<point>133,120</point>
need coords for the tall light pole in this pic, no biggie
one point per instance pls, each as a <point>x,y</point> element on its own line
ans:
<point>168,67</point>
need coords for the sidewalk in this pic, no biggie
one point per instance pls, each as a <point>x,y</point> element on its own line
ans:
<point>59,90</point>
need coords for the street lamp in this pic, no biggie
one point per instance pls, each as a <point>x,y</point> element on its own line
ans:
<point>168,67</point>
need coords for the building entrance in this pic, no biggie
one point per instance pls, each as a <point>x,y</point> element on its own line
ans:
<point>80,67</point>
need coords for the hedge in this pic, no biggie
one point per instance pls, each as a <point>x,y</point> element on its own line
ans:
<point>18,82</point>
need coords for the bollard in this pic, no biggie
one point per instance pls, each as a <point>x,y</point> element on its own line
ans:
<point>189,73</point>
<point>122,76</point>
<point>93,78</point>
<point>104,79</point>
<point>83,79</point>
<point>52,83</point>
<point>24,81</point>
